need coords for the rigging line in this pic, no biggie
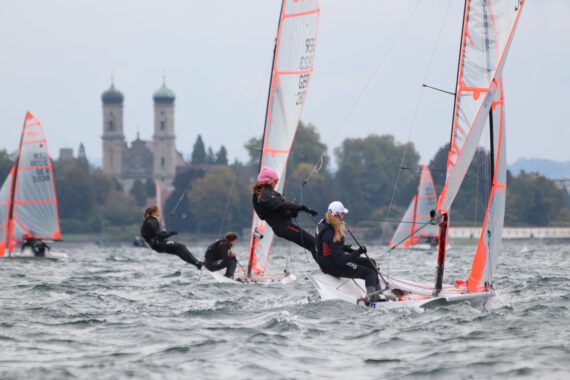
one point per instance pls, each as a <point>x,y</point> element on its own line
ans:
<point>420,96</point>
<point>369,81</point>
<point>379,220</point>
<point>230,115</point>
<point>377,69</point>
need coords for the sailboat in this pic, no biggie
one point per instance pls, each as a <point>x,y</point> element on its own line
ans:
<point>291,71</point>
<point>415,230</point>
<point>488,29</point>
<point>28,200</point>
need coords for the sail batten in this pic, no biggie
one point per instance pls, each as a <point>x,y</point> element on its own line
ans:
<point>290,77</point>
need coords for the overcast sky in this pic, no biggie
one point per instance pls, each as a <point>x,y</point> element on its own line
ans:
<point>372,56</point>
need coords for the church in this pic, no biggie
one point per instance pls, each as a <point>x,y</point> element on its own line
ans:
<point>144,160</point>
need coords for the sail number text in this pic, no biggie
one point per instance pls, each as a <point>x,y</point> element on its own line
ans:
<point>305,63</point>
<point>42,173</point>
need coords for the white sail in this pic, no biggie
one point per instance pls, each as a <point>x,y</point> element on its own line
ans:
<point>488,29</point>
<point>489,247</point>
<point>403,234</point>
<point>292,69</point>
<point>5,192</point>
<point>34,200</point>
<point>426,200</point>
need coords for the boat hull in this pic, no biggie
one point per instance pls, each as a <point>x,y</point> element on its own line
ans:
<point>418,295</point>
<point>265,279</point>
<point>27,253</point>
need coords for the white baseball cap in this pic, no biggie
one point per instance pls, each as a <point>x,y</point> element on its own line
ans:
<point>336,208</point>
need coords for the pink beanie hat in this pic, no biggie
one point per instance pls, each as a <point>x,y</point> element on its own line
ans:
<point>267,176</point>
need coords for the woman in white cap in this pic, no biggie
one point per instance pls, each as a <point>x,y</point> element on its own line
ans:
<point>272,207</point>
<point>340,260</point>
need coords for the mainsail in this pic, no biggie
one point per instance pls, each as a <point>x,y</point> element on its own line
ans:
<point>488,29</point>
<point>290,76</point>
<point>32,204</point>
<point>415,223</point>
<point>5,202</point>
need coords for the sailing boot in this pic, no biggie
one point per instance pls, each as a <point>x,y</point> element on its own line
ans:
<point>374,295</point>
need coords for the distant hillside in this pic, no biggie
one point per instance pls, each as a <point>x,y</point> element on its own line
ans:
<point>547,168</point>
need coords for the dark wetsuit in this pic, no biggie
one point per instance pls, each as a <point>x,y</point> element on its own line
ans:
<point>272,207</point>
<point>340,260</point>
<point>157,239</point>
<point>38,247</point>
<point>218,256</point>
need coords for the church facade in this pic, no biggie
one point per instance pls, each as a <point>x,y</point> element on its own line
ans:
<point>155,159</point>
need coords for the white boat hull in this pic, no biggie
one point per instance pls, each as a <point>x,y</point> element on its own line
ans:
<point>266,279</point>
<point>27,253</point>
<point>418,295</point>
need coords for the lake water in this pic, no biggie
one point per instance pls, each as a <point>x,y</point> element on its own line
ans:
<point>122,312</point>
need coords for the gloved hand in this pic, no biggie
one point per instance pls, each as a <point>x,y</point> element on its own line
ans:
<point>173,232</point>
<point>199,265</point>
<point>309,211</point>
<point>362,250</point>
<point>348,248</point>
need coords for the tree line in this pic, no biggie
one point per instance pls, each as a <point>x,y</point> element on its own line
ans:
<point>371,179</point>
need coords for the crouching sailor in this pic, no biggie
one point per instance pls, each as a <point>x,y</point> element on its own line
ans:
<point>37,246</point>
<point>272,207</point>
<point>157,238</point>
<point>219,255</point>
<point>340,260</point>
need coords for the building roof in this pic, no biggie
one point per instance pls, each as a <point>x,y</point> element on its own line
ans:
<point>112,96</point>
<point>164,94</point>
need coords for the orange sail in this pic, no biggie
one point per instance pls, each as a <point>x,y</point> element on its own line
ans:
<point>32,205</point>
<point>290,76</point>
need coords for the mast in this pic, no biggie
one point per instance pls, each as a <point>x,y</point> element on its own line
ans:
<point>458,69</point>
<point>255,235</point>
<point>443,225</point>
<point>12,196</point>
<point>270,83</point>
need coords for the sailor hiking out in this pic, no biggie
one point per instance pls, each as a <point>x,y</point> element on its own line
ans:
<point>272,207</point>
<point>340,260</point>
<point>157,238</point>
<point>219,255</point>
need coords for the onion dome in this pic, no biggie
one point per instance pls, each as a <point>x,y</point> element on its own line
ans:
<point>164,95</point>
<point>112,96</point>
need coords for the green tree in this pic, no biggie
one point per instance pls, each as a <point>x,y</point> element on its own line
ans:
<point>208,195</point>
<point>5,165</point>
<point>199,152</point>
<point>150,188</point>
<point>181,218</point>
<point>533,199</point>
<point>222,156</point>
<point>308,149</point>
<point>368,170</point>
<point>74,190</point>
<point>253,146</point>
<point>138,192</point>
<point>210,157</point>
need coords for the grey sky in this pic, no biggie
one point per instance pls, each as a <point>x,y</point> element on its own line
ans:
<point>57,57</point>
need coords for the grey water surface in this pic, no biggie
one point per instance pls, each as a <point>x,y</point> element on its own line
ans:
<point>122,312</point>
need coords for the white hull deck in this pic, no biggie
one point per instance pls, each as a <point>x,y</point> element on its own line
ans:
<point>264,279</point>
<point>27,253</point>
<point>419,295</point>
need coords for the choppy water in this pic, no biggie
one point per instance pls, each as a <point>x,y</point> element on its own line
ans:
<point>121,312</point>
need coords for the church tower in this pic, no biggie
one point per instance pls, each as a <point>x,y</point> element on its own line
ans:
<point>164,145</point>
<point>113,137</point>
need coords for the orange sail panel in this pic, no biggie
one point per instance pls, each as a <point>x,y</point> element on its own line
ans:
<point>488,28</point>
<point>292,69</point>
<point>5,199</point>
<point>35,210</point>
<point>489,247</point>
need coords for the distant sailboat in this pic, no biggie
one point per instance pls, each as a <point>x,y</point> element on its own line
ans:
<point>290,76</point>
<point>415,230</point>
<point>28,200</point>
<point>488,29</point>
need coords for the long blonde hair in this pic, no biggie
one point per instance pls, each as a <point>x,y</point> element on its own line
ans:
<point>337,225</point>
